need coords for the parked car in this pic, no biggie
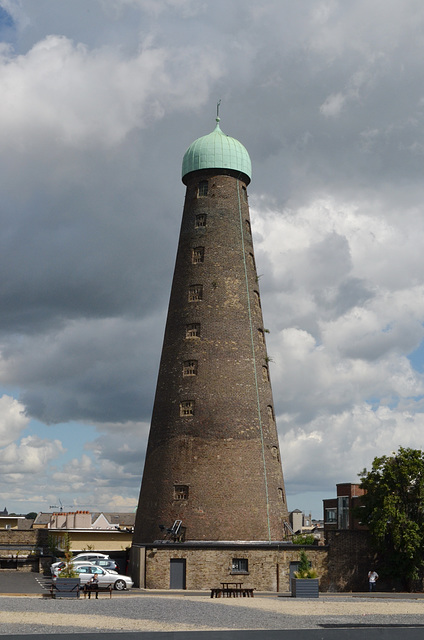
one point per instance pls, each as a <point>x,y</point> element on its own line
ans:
<point>109,565</point>
<point>57,568</point>
<point>87,571</point>
<point>86,556</point>
<point>90,556</point>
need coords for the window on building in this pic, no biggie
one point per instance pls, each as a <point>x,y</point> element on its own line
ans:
<point>257,299</point>
<point>274,451</point>
<point>180,492</point>
<point>197,255</point>
<point>200,220</point>
<point>195,293</point>
<point>244,194</point>
<point>202,189</point>
<point>281,494</point>
<point>331,515</point>
<point>239,565</point>
<point>343,512</point>
<point>187,408</point>
<point>270,412</point>
<point>252,260</point>
<point>193,330</point>
<point>248,227</point>
<point>265,373</point>
<point>190,368</point>
<point>261,336</point>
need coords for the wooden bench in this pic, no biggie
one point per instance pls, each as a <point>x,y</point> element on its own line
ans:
<point>66,588</point>
<point>88,589</point>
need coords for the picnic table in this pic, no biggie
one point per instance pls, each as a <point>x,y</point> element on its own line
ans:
<point>232,590</point>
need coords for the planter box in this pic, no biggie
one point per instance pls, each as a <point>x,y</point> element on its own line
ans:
<point>66,588</point>
<point>305,588</point>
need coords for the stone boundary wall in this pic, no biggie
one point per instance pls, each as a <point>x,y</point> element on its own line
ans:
<point>24,537</point>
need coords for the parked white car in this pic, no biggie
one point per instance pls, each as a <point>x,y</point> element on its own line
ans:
<point>90,556</point>
<point>87,571</point>
<point>58,567</point>
<point>86,556</point>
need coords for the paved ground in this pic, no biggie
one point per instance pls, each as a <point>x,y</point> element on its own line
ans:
<point>191,616</point>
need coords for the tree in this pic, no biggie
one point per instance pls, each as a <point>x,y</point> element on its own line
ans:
<point>304,569</point>
<point>393,510</point>
<point>31,515</point>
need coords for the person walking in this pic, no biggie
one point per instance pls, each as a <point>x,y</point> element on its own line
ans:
<point>372,579</point>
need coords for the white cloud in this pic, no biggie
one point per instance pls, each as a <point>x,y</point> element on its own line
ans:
<point>63,91</point>
<point>335,448</point>
<point>13,420</point>
<point>30,455</point>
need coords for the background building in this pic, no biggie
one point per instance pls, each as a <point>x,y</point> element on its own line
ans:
<point>339,511</point>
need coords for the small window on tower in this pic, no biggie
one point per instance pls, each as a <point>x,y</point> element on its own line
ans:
<point>265,374</point>
<point>252,260</point>
<point>261,336</point>
<point>195,292</point>
<point>257,299</point>
<point>187,408</point>
<point>248,227</point>
<point>200,220</point>
<point>202,189</point>
<point>190,368</point>
<point>193,330</point>
<point>244,194</point>
<point>270,411</point>
<point>180,492</point>
<point>274,451</point>
<point>281,494</point>
<point>197,255</point>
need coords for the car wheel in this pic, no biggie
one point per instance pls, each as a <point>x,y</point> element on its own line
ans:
<point>120,585</point>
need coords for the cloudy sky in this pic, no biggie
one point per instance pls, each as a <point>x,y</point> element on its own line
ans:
<point>99,101</point>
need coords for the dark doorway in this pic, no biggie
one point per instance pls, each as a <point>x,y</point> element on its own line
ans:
<point>177,573</point>
<point>294,566</point>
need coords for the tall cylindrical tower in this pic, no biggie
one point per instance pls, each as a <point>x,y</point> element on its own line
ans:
<point>213,459</point>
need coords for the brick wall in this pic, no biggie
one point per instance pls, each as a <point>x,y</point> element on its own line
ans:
<point>226,454</point>
<point>349,560</point>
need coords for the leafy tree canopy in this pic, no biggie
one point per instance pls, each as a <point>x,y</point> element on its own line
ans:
<point>393,509</point>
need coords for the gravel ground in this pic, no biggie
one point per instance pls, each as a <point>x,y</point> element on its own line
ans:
<point>19,615</point>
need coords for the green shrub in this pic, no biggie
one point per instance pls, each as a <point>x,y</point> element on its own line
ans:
<point>305,570</point>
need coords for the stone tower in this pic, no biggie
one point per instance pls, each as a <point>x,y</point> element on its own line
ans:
<point>213,459</point>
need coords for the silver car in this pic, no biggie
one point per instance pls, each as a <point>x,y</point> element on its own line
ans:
<point>86,572</point>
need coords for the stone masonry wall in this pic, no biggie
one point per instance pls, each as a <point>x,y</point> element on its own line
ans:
<point>268,568</point>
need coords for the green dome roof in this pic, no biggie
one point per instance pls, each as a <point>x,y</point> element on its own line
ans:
<point>217,151</point>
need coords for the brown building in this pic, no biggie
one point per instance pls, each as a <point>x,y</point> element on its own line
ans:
<point>213,462</point>
<point>339,511</point>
